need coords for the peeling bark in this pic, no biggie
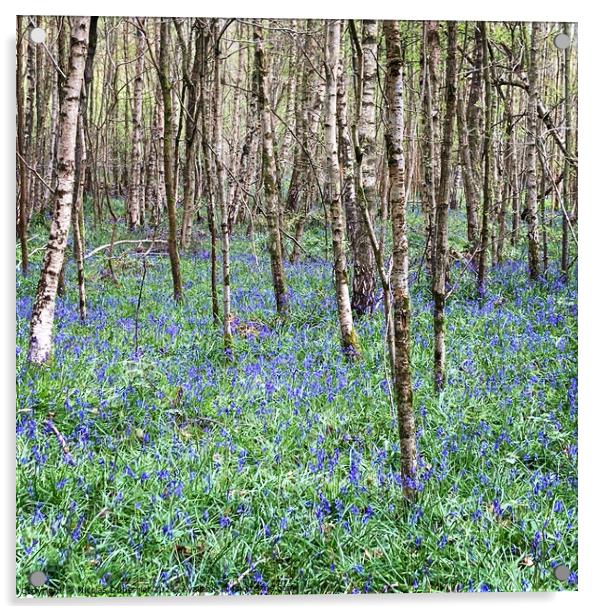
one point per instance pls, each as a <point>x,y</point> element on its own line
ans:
<point>42,318</point>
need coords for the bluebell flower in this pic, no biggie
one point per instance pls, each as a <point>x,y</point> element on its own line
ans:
<point>558,507</point>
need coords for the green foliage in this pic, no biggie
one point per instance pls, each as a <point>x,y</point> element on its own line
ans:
<point>278,471</point>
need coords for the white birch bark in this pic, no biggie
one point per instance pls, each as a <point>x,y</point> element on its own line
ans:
<point>136,193</point>
<point>399,272</point>
<point>42,317</point>
<point>333,45</point>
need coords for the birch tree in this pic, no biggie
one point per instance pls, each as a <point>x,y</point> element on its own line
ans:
<point>349,339</point>
<point>399,273</point>
<point>430,145</point>
<point>346,159</point>
<point>42,317</point>
<point>21,164</point>
<point>218,28</point>
<point>136,192</point>
<point>531,174</point>
<point>168,159</point>
<point>442,210</point>
<point>568,144</point>
<point>487,138</point>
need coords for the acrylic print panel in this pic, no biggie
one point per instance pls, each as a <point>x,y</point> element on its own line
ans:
<point>296,306</point>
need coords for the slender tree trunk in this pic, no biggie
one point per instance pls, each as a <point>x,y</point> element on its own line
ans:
<point>78,214</point>
<point>495,198</point>
<point>568,145</point>
<point>151,195</point>
<point>515,184</point>
<point>474,112</point>
<point>510,187</point>
<point>41,95</point>
<point>269,178</point>
<point>505,183</point>
<point>291,98</point>
<point>352,208</point>
<point>348,193</point>
<point>248,153</point>
<point>364,284</point>
<point>54,115</point>
<point>487,148</point>
<point>399,273</point>
<point>136,193</point>
<point>206,161</point>
<point>471,193</point>
<point>442,210</point>
<point>430,113</point>
<point>307,177</point>
<point>542,215</point>
<point>349,338</point>
<point>305,47</point>
<point>159,144</point>
<point>234,149</point>
<point>168,159</point>
<point>456,182</point>
<point>30,81</point>
<point>42,318</point>
<point>220,184</point>
<point>23,178</point>
<point>192,81</point>
<point>531,200</point>
<point>81,171</point>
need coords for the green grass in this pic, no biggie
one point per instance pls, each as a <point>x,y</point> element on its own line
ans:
<point>292,485</point>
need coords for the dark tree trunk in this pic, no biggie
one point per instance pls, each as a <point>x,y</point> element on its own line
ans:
<point>442,210</point>
<point>168,159</point>
<point>531,200</point>
<point>399,273</point>
<point>269,178</point>
<point>487,149</point>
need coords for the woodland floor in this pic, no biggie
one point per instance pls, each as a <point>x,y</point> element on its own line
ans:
<point>276,472</point>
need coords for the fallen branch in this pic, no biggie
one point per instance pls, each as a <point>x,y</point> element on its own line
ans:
<point>62,441</point>
<point>103,247</point>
